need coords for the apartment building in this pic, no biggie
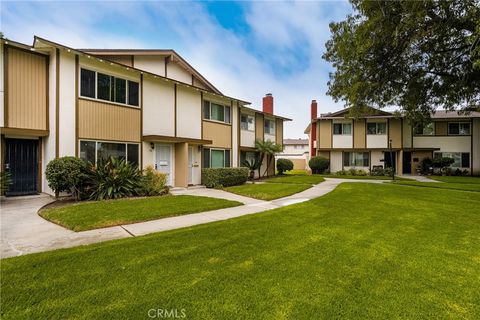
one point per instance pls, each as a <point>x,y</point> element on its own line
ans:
<point>148,106</point>
<point>383,139</point>
<point>297,151</point>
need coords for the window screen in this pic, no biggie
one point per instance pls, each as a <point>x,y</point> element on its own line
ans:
<point>87,83</point>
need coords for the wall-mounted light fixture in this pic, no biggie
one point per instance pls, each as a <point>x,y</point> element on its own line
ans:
<point>152,146</point>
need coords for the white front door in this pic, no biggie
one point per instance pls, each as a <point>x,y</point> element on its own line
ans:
<point>191,160</point>
<point>163,162</point>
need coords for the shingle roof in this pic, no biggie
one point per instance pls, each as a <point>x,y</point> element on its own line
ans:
<point>295,141</point>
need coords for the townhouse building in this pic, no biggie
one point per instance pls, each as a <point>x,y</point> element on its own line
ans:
<point>150,107</point>
<point>384,139</point>
<point>297,151</point>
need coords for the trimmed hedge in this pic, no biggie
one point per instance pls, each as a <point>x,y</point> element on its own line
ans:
<point>318,164</point>
<point>284,165</point>
<point>224,177</point>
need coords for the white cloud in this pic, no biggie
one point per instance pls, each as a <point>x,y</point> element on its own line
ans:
<point>222,56</point>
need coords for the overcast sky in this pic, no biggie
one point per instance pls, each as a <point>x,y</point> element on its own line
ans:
<point>246,49</point>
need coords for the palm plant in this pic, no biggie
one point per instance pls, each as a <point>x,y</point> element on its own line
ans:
<point>252,165</point>
<point>267,150</point>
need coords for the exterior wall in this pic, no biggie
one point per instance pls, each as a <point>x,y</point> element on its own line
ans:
<point>267,136</point>
<point>336,159</point>
<point>247,138</point>
<point>235,135</point>
<point>376,157</point>
<point>104,121</point>
<point>50,141</point>
<point>181,165</point>
<point>395,132</point>
<point>153,64</point>
<point>27,90</point>
<point>66,86</point>
<point>158,107</point>
<point>359,132</point>
<point>123,59</point>
<point>279,131</point>
<point>198,83</point>
<point>325,134</point>
<point>445,143</point>
<point>342,141</point>
<point>176,72</point>
<point>299,164</point>
<point>2,84</point>
<point>220,134</point>
<point>441,128</point>
<point>476,147</point>
<point>377,140</point>
<point>259,127</point>
<point>407,134</point>
<point>148,158</point>
<point>189,113</point>
<point>417,157</point>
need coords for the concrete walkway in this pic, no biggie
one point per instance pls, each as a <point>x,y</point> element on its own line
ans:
<point>418,178</point>
<point>23,231</point>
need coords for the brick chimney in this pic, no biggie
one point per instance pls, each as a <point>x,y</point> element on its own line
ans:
<point>313,128</point>
<point>268,103</point>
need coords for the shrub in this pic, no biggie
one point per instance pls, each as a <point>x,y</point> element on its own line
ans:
<point>318,164</point>
<point>224,177</point>
<point>425,166</point>
<point>284,165</point>
<point>341,173</point>
<point>67,174</point>
<point>115,178</point>
<point>388,171</point>
<point>361,172</point>
<point>154,183</point>
<point>459,172</point>
<point>377,171</point>
<point>5,181</point>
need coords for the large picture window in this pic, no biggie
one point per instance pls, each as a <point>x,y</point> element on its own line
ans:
<point>216,112</point>
<point>425,130</point>
<point>93,151</point>
<point>247,122</point>
<point>376,128</point>
<point>462,159</point>
<point>216,158</point>
<point>269,126</point>
<point>459,128</point>
<point>342,128</point>
<point>356,159</point>
<point>102,86</point>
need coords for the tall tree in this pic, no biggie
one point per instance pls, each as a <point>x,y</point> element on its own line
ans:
<point>416,55</point>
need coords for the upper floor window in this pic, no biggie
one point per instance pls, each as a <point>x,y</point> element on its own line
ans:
<point>376,128</point>
<point>426,129</point>
<point>459,128</point>
<point>101,86</point>
<point>216,112</point>
<point>247,122</point>
<point>269,126</point>
<point>342,128</point>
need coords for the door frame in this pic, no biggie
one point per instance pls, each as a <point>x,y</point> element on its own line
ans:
<point>170,180</point>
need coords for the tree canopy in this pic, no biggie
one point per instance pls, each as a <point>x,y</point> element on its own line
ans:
<point>416,55</point>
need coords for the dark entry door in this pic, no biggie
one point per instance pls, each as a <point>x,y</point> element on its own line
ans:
<point>390,159</point>
<point>407,162</point>
<point>21,160</point>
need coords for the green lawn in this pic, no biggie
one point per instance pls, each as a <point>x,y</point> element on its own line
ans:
<point>338,176</point>
<point>296,179</point>
<point>443,185</point>
<point>455,179</point>
<point>360,252</point>
<point>267,191</point>
<point>100,214</point>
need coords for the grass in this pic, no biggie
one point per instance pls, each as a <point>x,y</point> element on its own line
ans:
<point>455,179</point>
<point>296,179</point>
<point>338,176</point>
<point>363,251</point>
<point>100,214</point>
<point>453,184</point>
<point>267,191</point>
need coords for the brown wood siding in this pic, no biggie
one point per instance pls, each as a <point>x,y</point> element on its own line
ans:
<point>102,121</point>
<point>220,134</point>
<point>441,128</point>
<point>126,60</point>
<point>325,134</point>
<point>359,131</point>
<point>279,132</point>
<point>395,132</point>
<point>27,90</point>
<point>259,127</point>
<point>299,164</point>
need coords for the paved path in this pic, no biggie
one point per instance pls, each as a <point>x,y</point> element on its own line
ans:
<point>23,231</point>
<point>419,178</point>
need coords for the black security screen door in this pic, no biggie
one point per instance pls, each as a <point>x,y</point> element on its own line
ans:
<point>407,162</point>
<point>21,160</point>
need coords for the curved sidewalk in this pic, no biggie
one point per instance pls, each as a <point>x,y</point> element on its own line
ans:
<point>23,231</point>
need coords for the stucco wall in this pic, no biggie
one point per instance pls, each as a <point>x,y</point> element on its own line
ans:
<point>158,107</point>
<point>67,141</point>
<point>189,113</point>
<point>153,64</point>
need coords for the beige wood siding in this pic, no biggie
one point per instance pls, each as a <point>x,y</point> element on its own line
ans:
<point>417,157</point>
<point>259,127</point>
<point>103,121</point>
<point>220,134</point>
<point>126,60</point>
<point>324,154</point>
<point>299,164</point>
<point>181,164</point>
<point>359,134</point>
<point>26,90</point>
<point>279,131</point>
<point>395,132</point>
<point>325,134</point>
<point>441,128</point>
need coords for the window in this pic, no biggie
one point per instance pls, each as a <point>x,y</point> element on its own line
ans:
<point>87,83</point>
<point>269,126</point>
<point>108,88</point>
<point>376,128</point>
<point>342,128</point>
<point>92,151</point>
<point>462,159</point>
<point>249,156</point>
<point>216,158</point>
<point>356,159</point>
<point>426,129</point>
<point>459,128</point>
<point>247,122</point>
<point>216,112</point>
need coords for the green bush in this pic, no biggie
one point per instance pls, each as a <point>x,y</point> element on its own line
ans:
<point>154,183</point>
<point>114,178</point>
<point>5,181</point>
<point>224,177</point>
<point>377,171</point>
<point>341,173</point>
<point>67,174</point>
<point>284,165</point>
<point>318,164</point>
<point>425,166</point>
<point>356,172</point>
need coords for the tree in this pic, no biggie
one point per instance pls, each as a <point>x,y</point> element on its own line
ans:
<point>417,55</point>
<point>267,150</point>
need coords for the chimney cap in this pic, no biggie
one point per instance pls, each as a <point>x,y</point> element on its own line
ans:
<point>268,94</point>
<point>314,101</point>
